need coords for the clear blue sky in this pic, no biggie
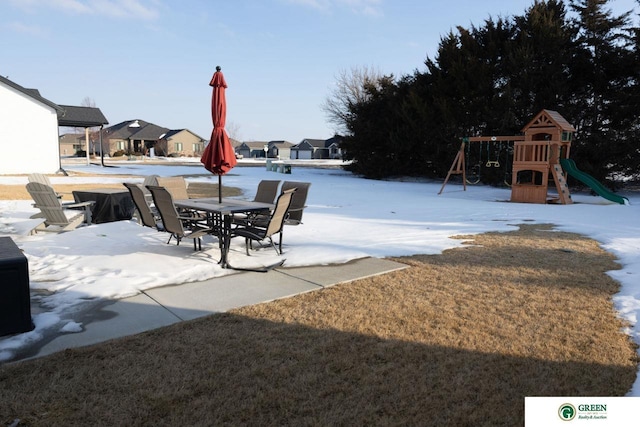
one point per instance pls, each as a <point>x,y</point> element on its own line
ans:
<point>153,59</point>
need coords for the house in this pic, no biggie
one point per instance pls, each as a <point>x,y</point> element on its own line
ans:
<point>307,149</point>
<point>29,127</point>
<point>132,137</point>
<point>333,146</point>
<point>72,143</point>
<point>318,148</point>
<point>272,149</point>
<point>250,149</point>
<point>304,150</point>
<point>84,117</point>
<point>180,143</point>
<point>279,149</point>
<point>30,121</point>
<point>138,137</point>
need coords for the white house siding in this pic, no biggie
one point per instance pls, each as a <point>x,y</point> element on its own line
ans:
<point>28,134</point>
<point>284,153</point>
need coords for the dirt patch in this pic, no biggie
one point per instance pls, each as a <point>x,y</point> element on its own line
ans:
<point>196,189</point>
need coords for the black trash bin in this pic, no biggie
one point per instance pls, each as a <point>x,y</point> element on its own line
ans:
<point>15,304</point>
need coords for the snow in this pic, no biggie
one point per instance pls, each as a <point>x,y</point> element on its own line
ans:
<point>347,217</point>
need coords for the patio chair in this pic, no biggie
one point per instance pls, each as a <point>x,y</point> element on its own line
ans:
<point>149,180</point>
<point>146,214</point>
<point>39,177</point>
<point>176,185</point>
<point>58,216</point>
<point>42,179</point>
<point>267,191</point>
<point>298,203</point>
<point>180,227</point>
<point>273,226</point>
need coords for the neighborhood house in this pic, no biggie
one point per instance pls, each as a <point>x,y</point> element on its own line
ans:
<point>138,137</point>
<point>22,108</point>
<point>307,149</point>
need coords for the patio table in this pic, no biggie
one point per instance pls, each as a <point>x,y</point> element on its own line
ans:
<point>111,204</point>
<point>220,214</point>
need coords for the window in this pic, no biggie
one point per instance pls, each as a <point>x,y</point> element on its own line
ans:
<point>178,146</point>
<point>120,145</point>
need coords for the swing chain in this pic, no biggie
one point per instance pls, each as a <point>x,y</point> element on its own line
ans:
<point>495,163</point>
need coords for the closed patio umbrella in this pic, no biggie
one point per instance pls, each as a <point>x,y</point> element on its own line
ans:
<point>218,157</point>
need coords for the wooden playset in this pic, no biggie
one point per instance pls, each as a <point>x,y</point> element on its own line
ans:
<point>537,156</point>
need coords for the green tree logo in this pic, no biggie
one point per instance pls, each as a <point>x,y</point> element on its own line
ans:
<point>567,412</point>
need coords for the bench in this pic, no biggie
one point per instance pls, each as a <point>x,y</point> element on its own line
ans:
<point>280,166</point>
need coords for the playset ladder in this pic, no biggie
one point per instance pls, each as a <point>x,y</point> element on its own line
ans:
<point>561,184</point>
<point>457,168</point>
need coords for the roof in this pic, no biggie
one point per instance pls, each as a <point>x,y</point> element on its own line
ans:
<point>149,132</point>
<point>308,143</point>
<point>317,143</point>
<point>135,129</point>
<point>85,117</point>
<point>31,93</point>
<point>280,142</point>
<point>335,139</point>
<point>68,115</point>
<point>547,118</point>
<point>254,144</point>
<point>305,145</point>
<point>173,132</point>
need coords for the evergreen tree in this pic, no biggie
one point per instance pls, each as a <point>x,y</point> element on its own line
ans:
<point>602,73</point>
<point>538,66</point>
<point>370,127</point>
<point>491,79</point>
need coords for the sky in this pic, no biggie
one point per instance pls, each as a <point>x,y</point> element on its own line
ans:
<point>347,218</point>
<point>153,59</point>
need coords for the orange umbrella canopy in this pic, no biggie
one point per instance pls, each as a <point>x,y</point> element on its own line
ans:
<point>218,157</point>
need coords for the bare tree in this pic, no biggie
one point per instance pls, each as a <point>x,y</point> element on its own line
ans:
<point>233,130</point>
<point>349,89</point>
<point>88,102</point>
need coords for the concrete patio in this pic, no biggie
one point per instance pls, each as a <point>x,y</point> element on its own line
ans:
<point>163,306</point>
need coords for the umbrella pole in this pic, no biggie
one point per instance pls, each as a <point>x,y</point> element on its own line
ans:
<point>220,188</point>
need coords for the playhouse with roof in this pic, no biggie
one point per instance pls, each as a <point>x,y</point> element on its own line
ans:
<point>540,157</point>
<point>547,139</point>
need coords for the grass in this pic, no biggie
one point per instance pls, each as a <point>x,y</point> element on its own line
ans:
<point>196,189</point>
<point>456,339</point>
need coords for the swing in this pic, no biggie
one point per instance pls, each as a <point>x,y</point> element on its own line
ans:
<point>473,173</point>
<point>508,151</point>
<point>495,163</point>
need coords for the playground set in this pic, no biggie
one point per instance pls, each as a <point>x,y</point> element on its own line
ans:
<point>538,156</point>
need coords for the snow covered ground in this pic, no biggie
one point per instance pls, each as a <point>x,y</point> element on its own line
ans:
<point>347,218</point>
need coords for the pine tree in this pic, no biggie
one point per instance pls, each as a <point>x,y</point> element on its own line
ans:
<point>601,72</point>
<point>538,64</point>
<point>491,79</point>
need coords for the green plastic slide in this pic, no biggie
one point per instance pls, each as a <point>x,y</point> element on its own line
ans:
<point>570,167</point>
